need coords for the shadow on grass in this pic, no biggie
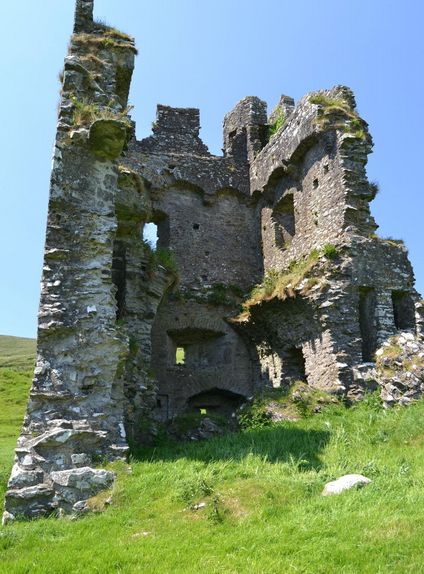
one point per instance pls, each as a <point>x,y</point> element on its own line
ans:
<point>274,444</point>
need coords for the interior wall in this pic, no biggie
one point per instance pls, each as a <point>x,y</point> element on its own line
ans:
<point>216,357</point>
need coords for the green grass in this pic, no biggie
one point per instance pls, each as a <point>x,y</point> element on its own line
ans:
<point>86,113</point>
<point>277,124</point>
<point>333,108</point>
<point>14,386</point>
<point>264,513</point>
<point>17,352</point>
<point>281,284</point>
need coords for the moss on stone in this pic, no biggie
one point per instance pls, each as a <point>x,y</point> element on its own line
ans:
<point>107,138</point>
<point>283,403</point>
<point>330,111</point>
<point>105,37</point>
<point>391,351</point>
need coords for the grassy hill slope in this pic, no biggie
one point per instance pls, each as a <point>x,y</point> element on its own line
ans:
<point>17,352</point>
<point>263,514</point>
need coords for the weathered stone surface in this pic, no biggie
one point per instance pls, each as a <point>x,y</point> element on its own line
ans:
<point>400,369</point>
<point>345,483</point>
<point>77,485</point>
<point>76,400</point>
<point>286,205</point>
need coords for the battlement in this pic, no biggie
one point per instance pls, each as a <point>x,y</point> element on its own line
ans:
<point>176,130</point>
<point>178,120</point>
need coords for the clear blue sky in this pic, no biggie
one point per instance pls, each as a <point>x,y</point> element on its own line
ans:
<point>210,55</point>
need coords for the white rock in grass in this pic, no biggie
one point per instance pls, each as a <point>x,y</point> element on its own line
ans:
<point>345,483</point>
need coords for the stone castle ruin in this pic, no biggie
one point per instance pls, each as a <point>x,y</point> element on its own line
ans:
<point>130,336</point>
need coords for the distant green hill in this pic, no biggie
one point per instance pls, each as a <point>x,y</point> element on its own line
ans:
<point>17,352</point>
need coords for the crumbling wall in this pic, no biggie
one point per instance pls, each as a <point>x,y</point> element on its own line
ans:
<point>141,282</point>
<point>312,179</point>
<point>75,411</point>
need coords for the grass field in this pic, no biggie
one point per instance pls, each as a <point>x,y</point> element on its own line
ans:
<point>263,514</point>
<point>17,352</point>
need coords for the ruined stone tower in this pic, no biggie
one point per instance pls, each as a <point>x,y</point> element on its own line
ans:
<point>129,335</point>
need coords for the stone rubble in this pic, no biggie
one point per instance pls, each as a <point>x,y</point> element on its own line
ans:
<point>400,369</point>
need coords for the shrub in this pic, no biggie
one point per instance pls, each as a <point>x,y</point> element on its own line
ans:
<point>254,416</point>
<point>374,188</point>
<point>330,251</point>
<point>166,258</point>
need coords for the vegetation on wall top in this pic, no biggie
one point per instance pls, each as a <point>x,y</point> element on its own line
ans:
<point>283,284</point>
<point>337,113</point>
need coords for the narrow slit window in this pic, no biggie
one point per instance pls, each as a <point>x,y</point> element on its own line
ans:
<point>180,356</point>
<point>367,324</point>
<point>119,276</point>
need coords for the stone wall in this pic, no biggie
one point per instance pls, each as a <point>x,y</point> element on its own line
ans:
<point>75,411</point>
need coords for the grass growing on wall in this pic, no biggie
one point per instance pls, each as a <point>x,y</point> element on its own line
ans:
<point>263,511</point>
<point>281,284</point>
<point>277,124</point>
<point>86,113</point>
<point>332,109</point>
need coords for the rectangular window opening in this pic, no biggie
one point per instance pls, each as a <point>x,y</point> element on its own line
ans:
<point>180,356</point>
<point>284,221</point>
<point>156,233</point>
<point>403,310</point>
<point>294,368</point>
<point>150,234</point>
